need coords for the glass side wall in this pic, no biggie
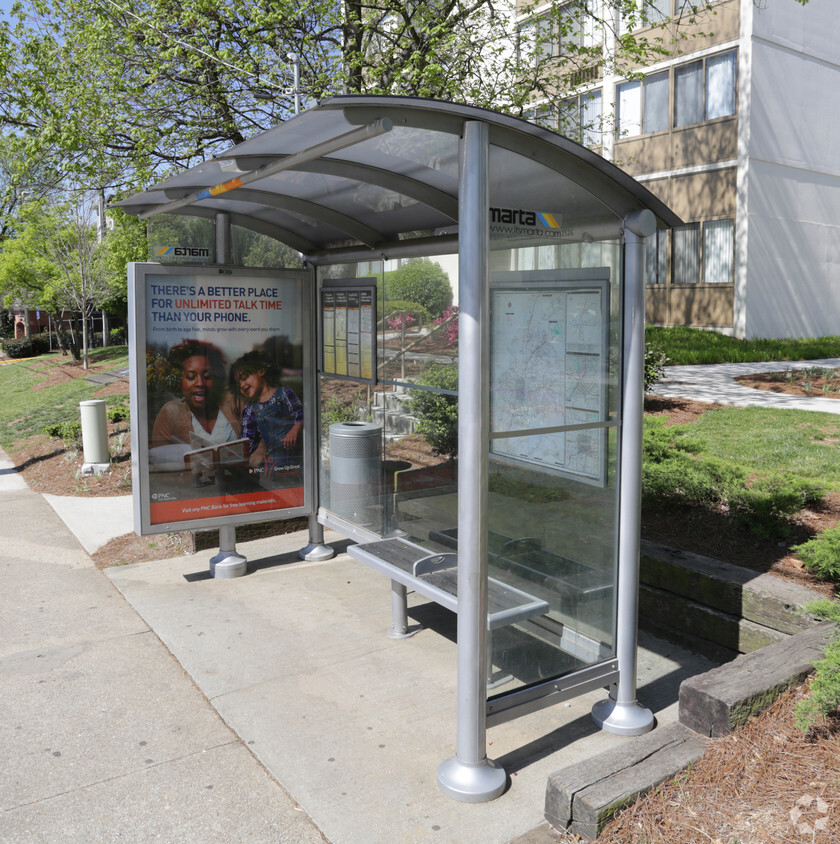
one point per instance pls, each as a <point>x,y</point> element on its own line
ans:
<point>388,450</point>
<point>553,498</point>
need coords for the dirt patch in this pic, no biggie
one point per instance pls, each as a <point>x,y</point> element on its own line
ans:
<point>812,382</point>
<point>768,782</point>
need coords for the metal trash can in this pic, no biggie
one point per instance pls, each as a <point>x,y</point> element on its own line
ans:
<point>355,471</point>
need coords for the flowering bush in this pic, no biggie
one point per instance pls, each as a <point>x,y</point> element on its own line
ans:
<point>401,321</point>
<point>450,315</point>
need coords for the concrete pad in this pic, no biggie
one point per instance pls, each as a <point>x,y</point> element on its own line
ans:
<point>94,521</point>
<point>47,605</point>
<point>124,707</point>
<point>216,796</point>
<point>295,658</point>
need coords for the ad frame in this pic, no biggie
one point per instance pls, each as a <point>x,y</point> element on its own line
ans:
<point>140,275</point>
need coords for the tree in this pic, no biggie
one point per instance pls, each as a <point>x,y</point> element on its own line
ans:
<point>56,261</point>
<point>422,281</point>
<point>119,90</point>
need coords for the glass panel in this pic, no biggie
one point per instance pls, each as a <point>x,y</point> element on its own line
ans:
<point>718,251</point>
<point>720,86</point>
<point>687,254</point>
<point>656,103</point>
<point>552,502</point>
<point>688,94</point>
<point>389,464</point>
<point>629,109</point>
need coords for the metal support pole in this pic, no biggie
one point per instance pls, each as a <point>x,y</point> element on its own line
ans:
<point>470,776</point>
<point>399,612</point>
<point>316,551</point>
<point>621,713</point>
<point>227,563</point>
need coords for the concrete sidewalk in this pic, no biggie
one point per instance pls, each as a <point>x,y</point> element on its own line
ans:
<point>716,383</point>
<point>286,715</point>
<point>105,738</point>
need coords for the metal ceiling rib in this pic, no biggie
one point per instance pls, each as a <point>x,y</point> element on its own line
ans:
<point>373,170</point>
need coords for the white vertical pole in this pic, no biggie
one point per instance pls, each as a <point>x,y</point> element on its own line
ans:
<point>470,776</point>
<point>621,713</point>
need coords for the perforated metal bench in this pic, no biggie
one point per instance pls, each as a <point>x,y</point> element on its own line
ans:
<point>435,576</point>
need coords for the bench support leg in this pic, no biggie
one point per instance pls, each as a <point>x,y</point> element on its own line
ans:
<point>399,612</point>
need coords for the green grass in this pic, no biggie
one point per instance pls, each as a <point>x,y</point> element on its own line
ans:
<point>25,410</point>
<point>685,346</point>
<point>767,440</point>
<point>761,466</point>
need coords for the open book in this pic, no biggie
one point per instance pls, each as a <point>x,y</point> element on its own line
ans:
<point>206,458</point>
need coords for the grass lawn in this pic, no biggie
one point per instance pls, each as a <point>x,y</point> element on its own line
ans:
<point>686,346</point>
<point>36,392</point>
<point>766,440</point>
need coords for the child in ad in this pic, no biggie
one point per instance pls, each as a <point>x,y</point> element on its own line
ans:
<point>272,420</point>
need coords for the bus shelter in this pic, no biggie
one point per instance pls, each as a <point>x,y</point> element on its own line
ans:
<point>527,382</point>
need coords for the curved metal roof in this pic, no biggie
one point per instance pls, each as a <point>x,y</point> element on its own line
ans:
<point>374,171</point>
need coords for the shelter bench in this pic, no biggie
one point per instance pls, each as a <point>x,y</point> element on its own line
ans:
<point>435,576</point>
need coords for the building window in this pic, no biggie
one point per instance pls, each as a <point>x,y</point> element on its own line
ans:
<point>656,268</point>
<point>643,106</point>
<point>642,13</point>
<point>718,251</point>
<point>707,246</point>
<point>629,109</point>
<point>720,86</point>
<point>582,118</point>
<point>537,40</point>
<point>578,28</point>
<point>686,254</point>
<point>705,90</point>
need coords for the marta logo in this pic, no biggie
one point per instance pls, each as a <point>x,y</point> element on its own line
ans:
<point>521,217</point>
<point>182,252</point>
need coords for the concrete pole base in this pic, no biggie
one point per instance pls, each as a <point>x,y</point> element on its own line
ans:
<point>622,719</point>
<point>471,782</point>
<point>94,468</point>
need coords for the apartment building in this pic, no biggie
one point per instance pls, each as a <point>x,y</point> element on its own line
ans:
<point>737,130</point>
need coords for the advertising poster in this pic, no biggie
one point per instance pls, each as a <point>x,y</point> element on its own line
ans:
<point>218,395</point>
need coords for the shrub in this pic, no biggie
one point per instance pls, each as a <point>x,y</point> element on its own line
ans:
<point>119,413</point>
<point>824,696</point>
<point>821,555</point>
<point>438,412</point>
<point>655,362</point>
<point>401,306</point>
<point>68,432</point>
<point>38,344</point>
<point>117,336</point>
<point>423,281</point>
<point>675,470</point>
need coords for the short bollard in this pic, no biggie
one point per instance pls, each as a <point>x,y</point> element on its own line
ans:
<point>94,437</point>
